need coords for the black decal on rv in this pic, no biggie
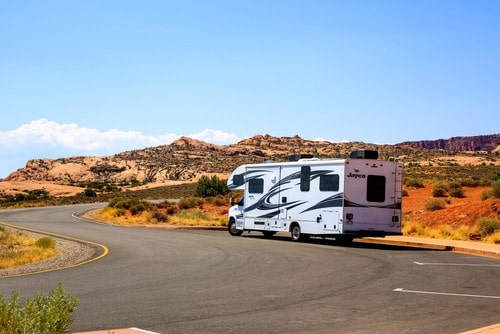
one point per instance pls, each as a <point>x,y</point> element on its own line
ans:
<point>356,176</point>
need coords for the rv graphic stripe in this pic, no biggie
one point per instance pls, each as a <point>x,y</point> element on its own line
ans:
<point>272,207</point>
<point>245,177</point>
<point>395,206</point>
<point>332,201</point>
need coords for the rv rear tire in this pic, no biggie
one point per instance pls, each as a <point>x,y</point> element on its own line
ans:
<point>231,228</point>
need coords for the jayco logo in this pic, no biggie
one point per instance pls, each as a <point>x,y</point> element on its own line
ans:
<point>357,176</point>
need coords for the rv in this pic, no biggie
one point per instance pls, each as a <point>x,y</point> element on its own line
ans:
<point>341,198</point>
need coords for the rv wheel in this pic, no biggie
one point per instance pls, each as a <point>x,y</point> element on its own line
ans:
<point>231,227</point>
<point>295,233</point>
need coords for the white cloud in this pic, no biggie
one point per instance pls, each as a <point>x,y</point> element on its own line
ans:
<point>216,137</point>
<point>71,136</point>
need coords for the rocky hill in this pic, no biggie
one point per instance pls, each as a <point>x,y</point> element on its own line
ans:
<point>187,159</point>
<point>487,143</point>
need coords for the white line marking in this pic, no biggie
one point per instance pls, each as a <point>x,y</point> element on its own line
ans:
<point>455,264</point>
<point>142,330</point>
<point>445,293</point>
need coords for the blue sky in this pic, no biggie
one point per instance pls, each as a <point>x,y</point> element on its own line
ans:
<point>100,77</point>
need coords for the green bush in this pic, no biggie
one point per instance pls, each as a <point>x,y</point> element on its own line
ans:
<point>40,314</point>
<point>45,242</point>
<point>434,204</point>
<point>210,186</point>
<point>487,226</point>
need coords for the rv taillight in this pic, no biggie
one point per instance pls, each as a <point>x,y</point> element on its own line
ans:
<point>349,216</point>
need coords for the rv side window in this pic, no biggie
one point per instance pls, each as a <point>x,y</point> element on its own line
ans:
<point>375,191</point>
<point>305,178</point>
<point>329,183</point>
<point>256,186</point>
<point>238,179</point>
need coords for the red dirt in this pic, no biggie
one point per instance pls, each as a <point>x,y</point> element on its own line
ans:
<point>460,211</point>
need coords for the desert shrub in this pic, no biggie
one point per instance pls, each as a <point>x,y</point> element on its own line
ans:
<point>219,201</point>
<point>190,202</point>
<point>45,242</point>
<point>138,208</point>
<point>159,216</point>
<point>434,204</point>
<point>116,202</point>
<point>40,314</point>
<point>88,192</point>
<point>496,188</point>
<point>119,212</point>
<point>455,190</point>
<point>210,186</point>
<point>493,192</point>
<point>414,183</point>
<point>486,194</point>
<point>487,226</point>
<point>440,189</point>
<point>469,182</point>
<point>133,204</point>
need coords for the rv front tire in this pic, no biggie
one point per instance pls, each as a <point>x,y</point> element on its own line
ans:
<point>295,232</point>
<point>231,228</point>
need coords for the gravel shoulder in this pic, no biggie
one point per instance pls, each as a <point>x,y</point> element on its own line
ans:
<point>70,253</point>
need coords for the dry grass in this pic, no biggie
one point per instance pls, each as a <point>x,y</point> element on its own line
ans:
<point>203,215</point>
<point>17,248</point>
<point>445,231</point>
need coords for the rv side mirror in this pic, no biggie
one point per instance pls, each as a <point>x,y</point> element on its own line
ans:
<point>231,200</point>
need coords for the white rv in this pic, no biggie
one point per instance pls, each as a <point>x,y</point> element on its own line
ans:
<point>341,198</point>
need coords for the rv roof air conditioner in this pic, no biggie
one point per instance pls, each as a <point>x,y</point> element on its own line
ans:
<point>364,154</point>
<point>299,156</point>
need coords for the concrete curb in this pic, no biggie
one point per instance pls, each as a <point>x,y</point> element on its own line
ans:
<point>441,244</point>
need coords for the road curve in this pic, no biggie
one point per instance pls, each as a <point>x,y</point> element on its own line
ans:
<point>172,281</point>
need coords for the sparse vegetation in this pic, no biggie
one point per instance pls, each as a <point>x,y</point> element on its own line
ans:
<point>414,183</point>
<point>18,248</point>
<point>487,226</point>
<point>187,211</point>
<point>434,204</point>
<point>494,192</point>
<point>40,314</point>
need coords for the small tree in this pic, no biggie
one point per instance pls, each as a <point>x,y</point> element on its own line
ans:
<point>210,186</point>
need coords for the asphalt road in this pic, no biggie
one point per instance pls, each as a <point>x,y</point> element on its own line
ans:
<point>175,281</point>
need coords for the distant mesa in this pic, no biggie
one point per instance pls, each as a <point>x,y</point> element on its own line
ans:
<point>488,143</point>
<point>186,159</point>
